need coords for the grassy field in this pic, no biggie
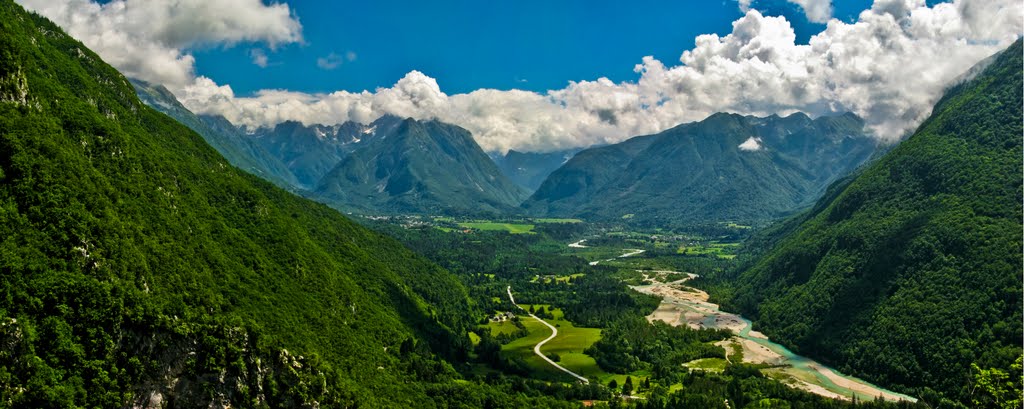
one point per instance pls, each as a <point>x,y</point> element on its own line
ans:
<point>568,345</point>
<point>563,279</point>
<point>505,327</point>
<point>514,228</point>
<point>523,347</point>
<point>720,250</point>
<point>708,364</point>
<point>557,220</point>
<point>595,253</point>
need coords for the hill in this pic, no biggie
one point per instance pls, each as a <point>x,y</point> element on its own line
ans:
<point>139,268</point>
<point>911,271</point>
<point>239,149</point>
<point>419,167</point>
<point>725,168</point>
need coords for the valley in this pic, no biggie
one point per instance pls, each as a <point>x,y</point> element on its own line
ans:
<point>770,224</point>
<point>546,342</point>
<point>683,305</point>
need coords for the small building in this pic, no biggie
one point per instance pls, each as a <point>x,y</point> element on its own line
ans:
<point>503,316</point>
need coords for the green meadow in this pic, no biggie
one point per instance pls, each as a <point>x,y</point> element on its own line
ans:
<point>557,221</point>
<point>514,228</point>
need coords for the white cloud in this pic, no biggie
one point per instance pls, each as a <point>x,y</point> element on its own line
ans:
<point>149,39</point>
<point>330,62</point>
<point>751,144</point>
<point>744,5</point>
<point>818,11</point>
<point>890,66</point>
<point>334,60</point>
<point>259,57</point>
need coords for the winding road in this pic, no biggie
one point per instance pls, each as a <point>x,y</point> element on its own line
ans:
<point>554,333</point>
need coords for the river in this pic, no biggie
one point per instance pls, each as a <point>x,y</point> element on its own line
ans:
<point>682,305</point>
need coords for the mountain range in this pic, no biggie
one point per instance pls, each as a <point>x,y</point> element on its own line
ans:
<point>688,174</point>
<point>725,168</point>
<point>910,272</point>
<point>391,165</point>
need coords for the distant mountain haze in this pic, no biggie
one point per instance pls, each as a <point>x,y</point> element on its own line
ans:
<point>726,167</point>
<point>420,167</point>
<point>529,169</point>
<point>391,165</point>
<point>312,151</point>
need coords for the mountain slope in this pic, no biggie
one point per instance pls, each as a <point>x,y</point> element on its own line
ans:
<point>239,149</point>
<point>312,151</point>
<point>529,169</point>
<point>727,167</point>
<point>573,185</point>
<point>431,167</point>
<point>912,271</point>
<point>420,167</point>
<point>138,267</point>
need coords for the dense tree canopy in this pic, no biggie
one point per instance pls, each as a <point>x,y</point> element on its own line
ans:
<point>911,271</point>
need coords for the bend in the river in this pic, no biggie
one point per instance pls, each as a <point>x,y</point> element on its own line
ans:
<point>683,305</point>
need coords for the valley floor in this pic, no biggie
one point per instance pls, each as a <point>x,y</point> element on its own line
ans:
<point>683,305</point>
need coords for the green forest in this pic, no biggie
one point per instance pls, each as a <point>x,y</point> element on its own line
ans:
<point>910,272</point>
<point>139,268</point>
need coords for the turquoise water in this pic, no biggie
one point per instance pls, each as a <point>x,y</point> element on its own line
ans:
<point>808,365</point>
<point>797,362</point>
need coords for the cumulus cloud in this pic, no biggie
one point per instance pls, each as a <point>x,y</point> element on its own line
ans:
<point>751,144</point>
<point>818,11</point>
<point>148,39</point>
<point>259,57</point>
<point>890,66</point>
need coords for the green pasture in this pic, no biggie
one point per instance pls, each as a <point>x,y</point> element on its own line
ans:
<point>514,228</point>
<point>557,221</point>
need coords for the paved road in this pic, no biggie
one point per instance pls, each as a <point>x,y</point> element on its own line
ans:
<point>554,333</point>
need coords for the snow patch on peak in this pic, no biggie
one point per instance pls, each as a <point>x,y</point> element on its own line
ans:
<point>752,143</point>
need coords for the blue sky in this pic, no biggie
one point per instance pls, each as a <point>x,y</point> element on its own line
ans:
<point>466,45</point>
<point>458,61</point>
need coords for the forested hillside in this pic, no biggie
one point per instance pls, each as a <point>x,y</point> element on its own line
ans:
<point>911,272</point>
<point>727,167</point>
<point>241,150</point>
<point>137,266</point>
